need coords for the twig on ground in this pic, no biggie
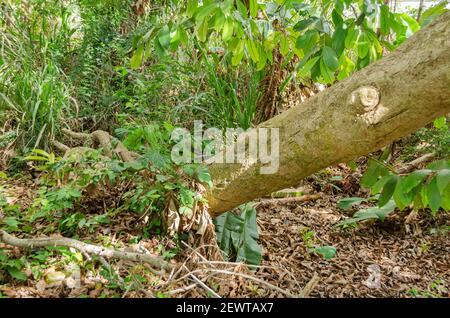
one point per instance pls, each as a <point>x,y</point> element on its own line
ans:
<point>310,286</point>
<point>182,289</point>
<point>269,285</point>
<point>202,284</point>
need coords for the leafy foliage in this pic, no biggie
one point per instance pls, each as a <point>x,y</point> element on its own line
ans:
<point>237,235</point>
<point>330,40</point>
<point>420,189</point>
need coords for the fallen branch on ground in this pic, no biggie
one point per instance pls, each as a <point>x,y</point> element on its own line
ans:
<point>84,248</point>
<point>415,163</point>
<point>303,198</point>
<point>310,286</point>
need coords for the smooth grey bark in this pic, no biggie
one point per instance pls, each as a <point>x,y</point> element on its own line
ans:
<point>375,106</point>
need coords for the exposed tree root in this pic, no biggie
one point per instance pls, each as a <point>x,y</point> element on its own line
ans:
<point>85,249</point>
<point>98,139</point>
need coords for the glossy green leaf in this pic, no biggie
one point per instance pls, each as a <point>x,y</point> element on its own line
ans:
<point>384,19</point>
<point>347,203</point>
<point>379,213</point>
<point>227,31</point>
<point>252,50</point>
<point>253,4</point>
<point>442,179</point>
<point>191,9</point>
<point>204,11</point>
<point>330,58</point>
<point>326,73</point>
<point>414,179</point>
<point>284,45</point>
<point>363,46</point>
<point>351,38</point>
<point>338,40</point>
<point>307,41</point>
<point>306,68</point>
<point>388,190</point>
<point>434,197</point>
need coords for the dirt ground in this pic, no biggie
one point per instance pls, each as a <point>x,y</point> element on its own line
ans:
<point>407,257</point>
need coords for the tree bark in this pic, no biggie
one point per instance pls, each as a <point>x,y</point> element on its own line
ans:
<point>375,106</point>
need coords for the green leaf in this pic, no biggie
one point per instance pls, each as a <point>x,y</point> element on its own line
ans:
<point>3,256</point>
<point>388,190</point>
<point>330,58</point>
<point>440,122</point>
<point>336,17</point>
<point>440,164</point>
<point>239,233</point>
<point>227,31</point>
<point>241,8</point>
<point>430,14</point>
<point>384,19</point>
<point>185,210</point>
<point>204,176</point>
<point>401,199</point>
<point>219,20</point>
<point>304,24</point>
<point>371,213</point>
<point>186,197</point>
<point>414,179</point>
<point>202,31</point>
<point>252,50</point>
<point>363,46</point>
<point>338,39</point>
<point>434,198</point>
<point>412,23</point>
<point>442,179</point>
<point>370,177</point>
<point>327,252</point>
<point>191,9</point>
<point>308,65</point>
<point>351,38</point>
<point>41,152</point>
<point>12,222</point>
<point>16,273</point>
<point>164,37</point>
<point>284,45</point>
<point>307,41</point>
<point>326,73</point>
<point>35,158</point>
<point>253,8</point>
<point>136,59</point>
<point>347,203</point>
<point>204,11</point>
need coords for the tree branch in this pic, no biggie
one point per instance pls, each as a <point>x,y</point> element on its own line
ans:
<point>85,248</point>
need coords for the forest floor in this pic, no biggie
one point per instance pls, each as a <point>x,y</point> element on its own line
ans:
<point>394,258</point>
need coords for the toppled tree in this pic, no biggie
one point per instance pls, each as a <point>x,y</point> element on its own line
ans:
<point>385,101</point>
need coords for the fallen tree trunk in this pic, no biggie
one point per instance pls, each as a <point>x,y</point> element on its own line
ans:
<point>385,101</point>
